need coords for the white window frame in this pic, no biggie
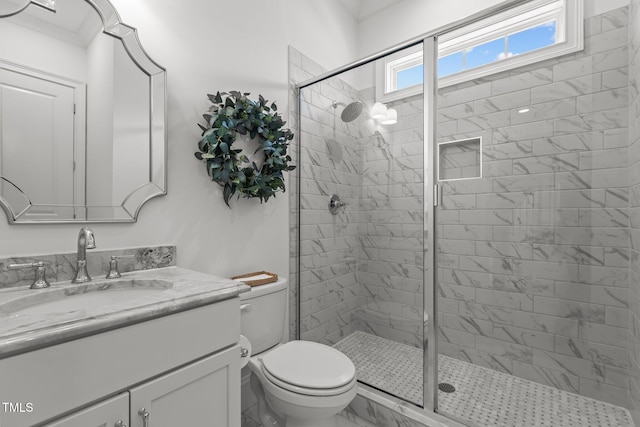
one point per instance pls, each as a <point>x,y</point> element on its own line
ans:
<point>569,17</point>
<point>387,70</point>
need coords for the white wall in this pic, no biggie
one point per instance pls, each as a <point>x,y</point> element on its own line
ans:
<point>208,46</point>
<point>73,66</point>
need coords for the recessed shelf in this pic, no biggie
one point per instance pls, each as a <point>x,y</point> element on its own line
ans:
<point>460,159</point>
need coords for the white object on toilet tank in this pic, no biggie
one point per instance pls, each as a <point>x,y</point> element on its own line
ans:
<point>263,314</point>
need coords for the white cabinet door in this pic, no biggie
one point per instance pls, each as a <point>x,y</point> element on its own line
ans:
<point>107,413</point>
<point>204,393</point>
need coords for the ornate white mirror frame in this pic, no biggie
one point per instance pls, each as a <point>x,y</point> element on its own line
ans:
<point>86,204</point>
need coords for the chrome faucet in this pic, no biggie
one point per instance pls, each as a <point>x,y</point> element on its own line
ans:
<point>85,241</point>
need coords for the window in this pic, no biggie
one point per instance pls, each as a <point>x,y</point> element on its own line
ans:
<point>532,32</point>
<point>521,42</point>
<point>403,70</point>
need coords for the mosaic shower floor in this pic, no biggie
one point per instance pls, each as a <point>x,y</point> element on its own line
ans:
<point>483,397</point>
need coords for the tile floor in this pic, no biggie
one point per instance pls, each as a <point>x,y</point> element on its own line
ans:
<point>385,364</point>
<point>483,396</point>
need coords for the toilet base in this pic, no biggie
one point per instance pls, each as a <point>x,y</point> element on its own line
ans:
<point>279,406</point>
<point>274,412</point>
<point>267,417</point>
<point>324,414</point>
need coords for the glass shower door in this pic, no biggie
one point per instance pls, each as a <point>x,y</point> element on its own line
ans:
<point>533,239</point>
<point>361,229</point>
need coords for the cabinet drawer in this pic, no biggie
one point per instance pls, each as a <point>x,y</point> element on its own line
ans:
<point>59,379</point>
<point>103,414</point>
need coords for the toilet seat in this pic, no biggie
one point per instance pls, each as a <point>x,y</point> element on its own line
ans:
<point>319,392</point>
<point>309,368</point>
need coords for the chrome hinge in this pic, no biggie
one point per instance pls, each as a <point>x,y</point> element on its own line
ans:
<point>437,195</point>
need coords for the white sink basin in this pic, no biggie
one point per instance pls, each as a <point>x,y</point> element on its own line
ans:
<point>85,297</point>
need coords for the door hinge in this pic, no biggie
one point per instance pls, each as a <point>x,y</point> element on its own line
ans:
<point>437,195</point>
<point>74,165</point>
<point>74,108</point>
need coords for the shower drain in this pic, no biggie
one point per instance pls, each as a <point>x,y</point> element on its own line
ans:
<point>446,387</point>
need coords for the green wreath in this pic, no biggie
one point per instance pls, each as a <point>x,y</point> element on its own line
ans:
<point>231,114</point>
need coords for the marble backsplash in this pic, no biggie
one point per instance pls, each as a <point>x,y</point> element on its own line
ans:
<point>61,267</point>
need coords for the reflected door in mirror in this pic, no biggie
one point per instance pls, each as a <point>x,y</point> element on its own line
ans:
<point>37,118</point>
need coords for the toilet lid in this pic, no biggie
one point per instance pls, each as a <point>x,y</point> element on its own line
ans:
<point>309,365</point>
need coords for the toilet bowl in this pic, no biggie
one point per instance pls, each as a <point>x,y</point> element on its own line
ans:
<point>305,383</point>
<point>298,383</point>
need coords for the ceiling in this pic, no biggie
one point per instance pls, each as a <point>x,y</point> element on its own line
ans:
<point>362,9</point>
<point>74,21</point>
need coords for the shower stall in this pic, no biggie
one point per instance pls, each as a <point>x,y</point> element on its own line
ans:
<point>471,244</point>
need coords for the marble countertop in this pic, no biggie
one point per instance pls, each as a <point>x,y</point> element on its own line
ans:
<point>174,289</point>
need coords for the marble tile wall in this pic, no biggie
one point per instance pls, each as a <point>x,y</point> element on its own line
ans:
<point>391,225</point>
<point>61,267</point>
<point>360,269</point>
<point>296,74</point>
<point>533,258</point>
<point>634,211</point>
<point>329,164</point>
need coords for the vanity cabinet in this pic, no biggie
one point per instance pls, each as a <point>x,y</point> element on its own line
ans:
<point>200,394</point>
<point>197,395</point>
<point>183,368</point>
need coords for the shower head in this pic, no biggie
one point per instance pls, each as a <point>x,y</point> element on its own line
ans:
<point>351,111</point>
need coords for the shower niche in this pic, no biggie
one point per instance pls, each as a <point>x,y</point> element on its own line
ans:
<point>460,159</point>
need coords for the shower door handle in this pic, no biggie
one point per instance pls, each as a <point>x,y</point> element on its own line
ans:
<point>437,195</point>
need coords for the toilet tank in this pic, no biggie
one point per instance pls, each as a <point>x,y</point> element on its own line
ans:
<point>263,315</point>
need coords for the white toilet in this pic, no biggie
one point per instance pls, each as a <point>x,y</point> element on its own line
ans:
<point>299,383</point>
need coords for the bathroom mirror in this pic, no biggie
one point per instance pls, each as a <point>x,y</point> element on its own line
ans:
<point>82,114</point>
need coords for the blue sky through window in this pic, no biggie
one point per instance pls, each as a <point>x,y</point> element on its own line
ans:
<point>521,42</point>
<point>533,38</point>
<point>485,53</point>
<point>410,77</point>
<point>450,64</point>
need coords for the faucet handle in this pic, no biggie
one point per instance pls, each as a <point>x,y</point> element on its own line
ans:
<point>336,205</point>
<point>40,281</point>
<point>113,266</point>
